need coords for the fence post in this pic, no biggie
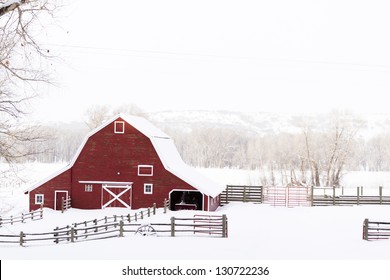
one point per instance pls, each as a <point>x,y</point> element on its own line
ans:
<point>62,204</point>
<point>75,231</point>
<point>165,205</point>
<point>71,234</point>
<point>380,195</point>
<point>361,190</point>
<point>154,208</point>
<point>55,235</point>
<point>311,196</point>
<point>262,194</point>
<point>128,218</point>
<point>21,238</point>
<point>135,216</point>
<point>365,229</point>
<point>41,210</point>
<point>244,195</point>
<point>224,226</point>
<point>172,226</point>
<point>95,222</point>
<point>227,194</point>
<point>334,195</point>
<point>357,197</point>
<point>149,212</point>
<point>142,215</point>
<point>121,228</point>
<point>1,221</point>
<point>22,218</point>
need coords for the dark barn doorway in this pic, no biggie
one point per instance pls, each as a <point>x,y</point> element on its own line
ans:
<point>186,200</point>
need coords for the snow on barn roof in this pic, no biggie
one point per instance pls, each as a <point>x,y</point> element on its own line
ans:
<point>166,151</point>
<point>171,159</point>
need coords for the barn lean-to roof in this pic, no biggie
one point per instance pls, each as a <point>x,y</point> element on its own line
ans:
<point>166,151</point>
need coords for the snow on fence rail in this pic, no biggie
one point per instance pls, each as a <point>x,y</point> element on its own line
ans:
<point>34,215</point>
<point>176,227</point>
<point>374,230</point>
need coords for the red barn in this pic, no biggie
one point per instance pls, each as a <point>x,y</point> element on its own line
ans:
<point>127,162</point>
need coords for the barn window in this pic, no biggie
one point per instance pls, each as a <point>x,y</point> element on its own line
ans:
<point>145,170</point>
<point>88,188</point>
<point>148,188</point>
<point>39,199</point>
<point>119,127</point>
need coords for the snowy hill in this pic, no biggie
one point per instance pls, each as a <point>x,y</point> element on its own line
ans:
<point>261,123</point>
<point>251,123</point>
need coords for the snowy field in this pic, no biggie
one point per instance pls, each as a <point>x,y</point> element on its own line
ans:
<point>255,231</point>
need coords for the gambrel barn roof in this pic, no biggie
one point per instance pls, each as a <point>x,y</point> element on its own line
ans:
<point>166,151</point>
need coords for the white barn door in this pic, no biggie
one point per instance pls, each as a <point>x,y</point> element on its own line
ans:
<point>116,196</point>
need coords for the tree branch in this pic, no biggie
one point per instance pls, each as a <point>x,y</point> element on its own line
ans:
<point>10,6</point>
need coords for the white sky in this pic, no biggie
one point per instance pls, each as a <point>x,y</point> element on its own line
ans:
<point>280,55</point>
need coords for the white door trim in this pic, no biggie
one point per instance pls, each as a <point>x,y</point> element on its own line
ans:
<point>116,196</point>
<point>55,198</point>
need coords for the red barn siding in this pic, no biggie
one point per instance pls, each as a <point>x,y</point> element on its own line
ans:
<point>60,182</point>
<point>114,157</point>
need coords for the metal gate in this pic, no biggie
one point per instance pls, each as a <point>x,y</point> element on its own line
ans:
<point>291,196</point>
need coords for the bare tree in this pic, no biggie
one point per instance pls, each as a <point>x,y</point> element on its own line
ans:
<point>96,115</point>
<point>22,62</point>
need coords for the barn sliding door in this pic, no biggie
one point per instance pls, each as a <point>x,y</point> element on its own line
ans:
<point>116,196</point>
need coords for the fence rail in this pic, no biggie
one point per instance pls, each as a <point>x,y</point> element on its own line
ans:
<point>351,199</point>
<point>216,226</point>
<point>293,196</point>
<point>66,203</point>
<point>34,215</point>
<point>235,193</point>
<point>373,230</point>
<point>114,219</point>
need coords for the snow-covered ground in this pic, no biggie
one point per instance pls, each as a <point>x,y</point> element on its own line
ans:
<point>255,231</point>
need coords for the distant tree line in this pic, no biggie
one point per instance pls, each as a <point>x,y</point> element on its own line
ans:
<point>313,156</point>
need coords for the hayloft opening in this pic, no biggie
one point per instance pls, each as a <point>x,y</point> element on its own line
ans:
<point>186,200</point>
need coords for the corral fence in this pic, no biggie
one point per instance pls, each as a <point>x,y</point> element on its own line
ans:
<point>234,193</point>
<point>292,196</point>
<point>374,230</point>
<point>213,226</point>
<point>119,225</point>
<point>22,218</point>
<point>351,196</point>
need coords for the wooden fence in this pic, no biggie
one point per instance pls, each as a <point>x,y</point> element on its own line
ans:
<point>375,230</point>
<point>342,200</point>
<point>293,196</point>
<point>34,215</point>
<point>213,226</point>
<point>113,219</point>
<point>66,204</point>
<point>242,194</point>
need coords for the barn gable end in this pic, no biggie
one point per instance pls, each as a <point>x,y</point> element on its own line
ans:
<point>126,162</point>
